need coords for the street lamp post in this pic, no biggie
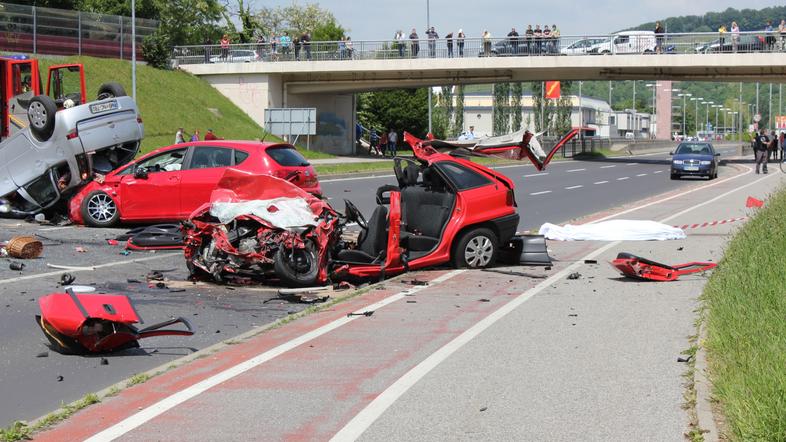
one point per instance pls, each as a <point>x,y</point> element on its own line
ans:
<point>717,108</point>
<point>654,87</point>
<point>707,116</point>
<point>634,110</point>
<point>696,100</point>
<point>684,97</point>
<point>428,26</point>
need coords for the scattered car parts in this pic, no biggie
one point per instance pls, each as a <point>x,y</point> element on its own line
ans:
<point>97,323</point>
<point>637,267</point>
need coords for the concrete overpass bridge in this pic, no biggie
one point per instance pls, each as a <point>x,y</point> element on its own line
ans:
<point>330,84</point>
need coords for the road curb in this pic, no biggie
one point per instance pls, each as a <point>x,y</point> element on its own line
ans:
<point>704,415</point>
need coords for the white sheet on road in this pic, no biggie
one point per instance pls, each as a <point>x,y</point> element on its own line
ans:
<point>614,230</point>
<point>283,213</point>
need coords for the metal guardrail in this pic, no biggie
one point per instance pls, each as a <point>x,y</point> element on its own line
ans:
<point>622,43</point>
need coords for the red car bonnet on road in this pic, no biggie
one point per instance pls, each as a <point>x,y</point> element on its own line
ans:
<point>171,182</point>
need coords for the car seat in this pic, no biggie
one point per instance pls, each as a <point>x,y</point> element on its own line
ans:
<point>425,210</point>
<point>372,242</point>
<point>222,158</point>
<point>201,160</point>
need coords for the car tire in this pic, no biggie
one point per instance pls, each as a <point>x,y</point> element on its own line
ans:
<point>307,271</point>
<point>674,176</point>
<point>98,209</point>
<point>111,90</point>
<point>476,248</point>
<point>41,114</point>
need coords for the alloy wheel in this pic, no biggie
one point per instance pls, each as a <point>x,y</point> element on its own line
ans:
<point>478,252</point>
<point>101,208</point>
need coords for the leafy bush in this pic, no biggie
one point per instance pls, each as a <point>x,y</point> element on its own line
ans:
<point>155,47</point>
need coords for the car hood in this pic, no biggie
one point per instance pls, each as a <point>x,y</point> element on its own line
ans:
<point>693,156</point>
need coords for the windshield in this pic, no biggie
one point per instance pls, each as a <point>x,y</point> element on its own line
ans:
<point>694,149</point>
<point>287,156</point>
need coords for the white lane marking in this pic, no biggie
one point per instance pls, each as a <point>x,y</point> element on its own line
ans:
<point>623,178</point>
<point>608,167</point>
<point>631,164</point>
<point>600,182</point>
<point>49,229</point>
<point>368,415</point>
<point>540,193</point>
<point>658,171</point>
<point>573,187</point>
<point>642,174</point>
<point>175,399</point>
<point>87,269</point>
<point>535,174</point>
<point>574,170</point>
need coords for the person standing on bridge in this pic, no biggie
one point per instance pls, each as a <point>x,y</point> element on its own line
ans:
<point>414,44</point>
<point>528,36</point>
<point>735,36</point>
<point>432,42</point>
<point>513,40</point>
<point>225,47</point>
<point>486,43</point>
<point>460,42</point>
<point>399,37</point>
<point>305,41</point>
<point>760,150</point>
<point>722,35</point>
<point>782,35</point>
<point>658,38</point>
<point>449,43</point>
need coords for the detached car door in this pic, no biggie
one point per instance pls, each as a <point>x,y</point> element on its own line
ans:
<point>200,177</point>
<point>156,196</point>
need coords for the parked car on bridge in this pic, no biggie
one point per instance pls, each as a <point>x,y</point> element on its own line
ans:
<point>236,56</point>
<point>628,42</point>
<point>171,182</point>
<point>582,46</point>
<point>746,43</point>
<point>694,159</point>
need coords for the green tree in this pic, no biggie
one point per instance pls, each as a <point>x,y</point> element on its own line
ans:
<point>501,109</point>
<point>563,110</point>
<point>458,123</point>
<point>144,8</point>
<point>517,92</point>
<point>403,110</point>
<point>296,19</point>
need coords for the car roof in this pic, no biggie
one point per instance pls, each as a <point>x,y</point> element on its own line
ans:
<point>242,144</point>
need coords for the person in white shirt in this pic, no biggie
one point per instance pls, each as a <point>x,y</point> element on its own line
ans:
<point>400,42</point>
<point>179,137</point>
<point>392,142</point>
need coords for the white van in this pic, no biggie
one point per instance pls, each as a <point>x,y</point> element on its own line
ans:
<point>628,42</point>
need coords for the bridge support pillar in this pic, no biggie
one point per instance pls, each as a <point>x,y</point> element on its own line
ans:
<point>253,93</point>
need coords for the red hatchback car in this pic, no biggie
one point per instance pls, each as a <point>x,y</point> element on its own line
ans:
<point>171,182</point>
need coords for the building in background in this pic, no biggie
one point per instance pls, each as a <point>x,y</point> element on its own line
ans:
<point>596,115</point>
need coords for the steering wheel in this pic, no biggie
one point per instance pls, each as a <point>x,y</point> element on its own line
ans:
<point>353,214</point>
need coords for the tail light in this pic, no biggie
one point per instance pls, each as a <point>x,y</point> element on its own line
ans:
<point>73,133</point>
<point>84,166</point>
<point>510,198</point>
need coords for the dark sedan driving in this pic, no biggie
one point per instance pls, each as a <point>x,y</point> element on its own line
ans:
<point>695,159</point>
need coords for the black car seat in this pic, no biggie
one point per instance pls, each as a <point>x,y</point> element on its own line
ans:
<point>372,242</point>
<point>425,211</point>
<point>202,159</point>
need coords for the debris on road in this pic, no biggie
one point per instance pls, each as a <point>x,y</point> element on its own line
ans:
<point>18,266</point>
<point>80,249</point>
<point>637,267</point>
<point>574,275</point>
<point>43,354</point>
<point>96,323</point>
<point>753,202</point>
<point>155,237</point>
<point>414,282</point>
<point>67,279</point>
<point>24,247</point>
<point>366,313</point>
<point>590,261</point>
<point>684,358</point>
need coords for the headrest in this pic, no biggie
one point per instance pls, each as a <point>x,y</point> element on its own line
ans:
<point>428,177</point>
<point>411,173</point>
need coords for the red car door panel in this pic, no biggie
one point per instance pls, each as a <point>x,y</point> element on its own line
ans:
<point>154,197</point>
<point>206,166</point>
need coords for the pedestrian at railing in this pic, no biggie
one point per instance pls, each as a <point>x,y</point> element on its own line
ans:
<point>486,43</point>
<point>414,44</point>
<point>225,47</point>
<point>399,38</point>
<point>449,43</point>
<point>513,40</point>
<point>432,35</point>
<point>735,36</point>
<point>460,42</point>
<point>658,38</point>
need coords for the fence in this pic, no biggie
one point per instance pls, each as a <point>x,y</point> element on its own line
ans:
<point>37,30</point>
<point>647,43</point>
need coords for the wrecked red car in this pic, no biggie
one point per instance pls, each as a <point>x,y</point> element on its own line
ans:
<point>170,183</point>
<point>445,209</point>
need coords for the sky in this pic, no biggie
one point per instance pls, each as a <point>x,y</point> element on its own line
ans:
<point>379,20</point>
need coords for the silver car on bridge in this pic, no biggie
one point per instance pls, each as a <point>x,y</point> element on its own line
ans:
<point>64,148</point>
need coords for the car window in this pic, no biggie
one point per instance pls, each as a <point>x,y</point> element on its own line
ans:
<point>206,157</point>
<point>287,156</point>
<point>462,177</point>
<point>621,39</point>
<point>168,161</point>
<point>694,148</point>
<point>240,156</point>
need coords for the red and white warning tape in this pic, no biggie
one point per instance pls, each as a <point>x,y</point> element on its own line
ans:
<point>711,223</point>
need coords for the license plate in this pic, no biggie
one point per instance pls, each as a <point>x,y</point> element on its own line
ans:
<point>103,107</point>
<point>692,168</point>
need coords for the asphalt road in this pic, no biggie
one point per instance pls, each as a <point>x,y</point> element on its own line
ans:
<point>29,384</point>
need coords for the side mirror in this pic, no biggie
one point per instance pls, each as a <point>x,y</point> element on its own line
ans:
<point>717,154</point>
<point>671,153</point>
<point>140,173</point>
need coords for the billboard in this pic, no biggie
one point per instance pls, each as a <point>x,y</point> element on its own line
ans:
<point>291,121</point>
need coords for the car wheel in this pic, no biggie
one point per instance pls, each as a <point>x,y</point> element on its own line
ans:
<point>674,176</point>
<point>99,210</point>
<point>111,90</point>
<point>476,248</point>
<point>297,267</point>
<point>41,113</point>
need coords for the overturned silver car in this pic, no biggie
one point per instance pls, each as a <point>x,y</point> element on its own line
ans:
<point>64,142</point>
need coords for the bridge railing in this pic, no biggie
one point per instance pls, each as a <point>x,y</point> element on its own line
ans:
<point>617,44</point>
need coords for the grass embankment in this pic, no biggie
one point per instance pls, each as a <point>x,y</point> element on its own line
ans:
<point>171,99</point>
<point>745,302</point>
